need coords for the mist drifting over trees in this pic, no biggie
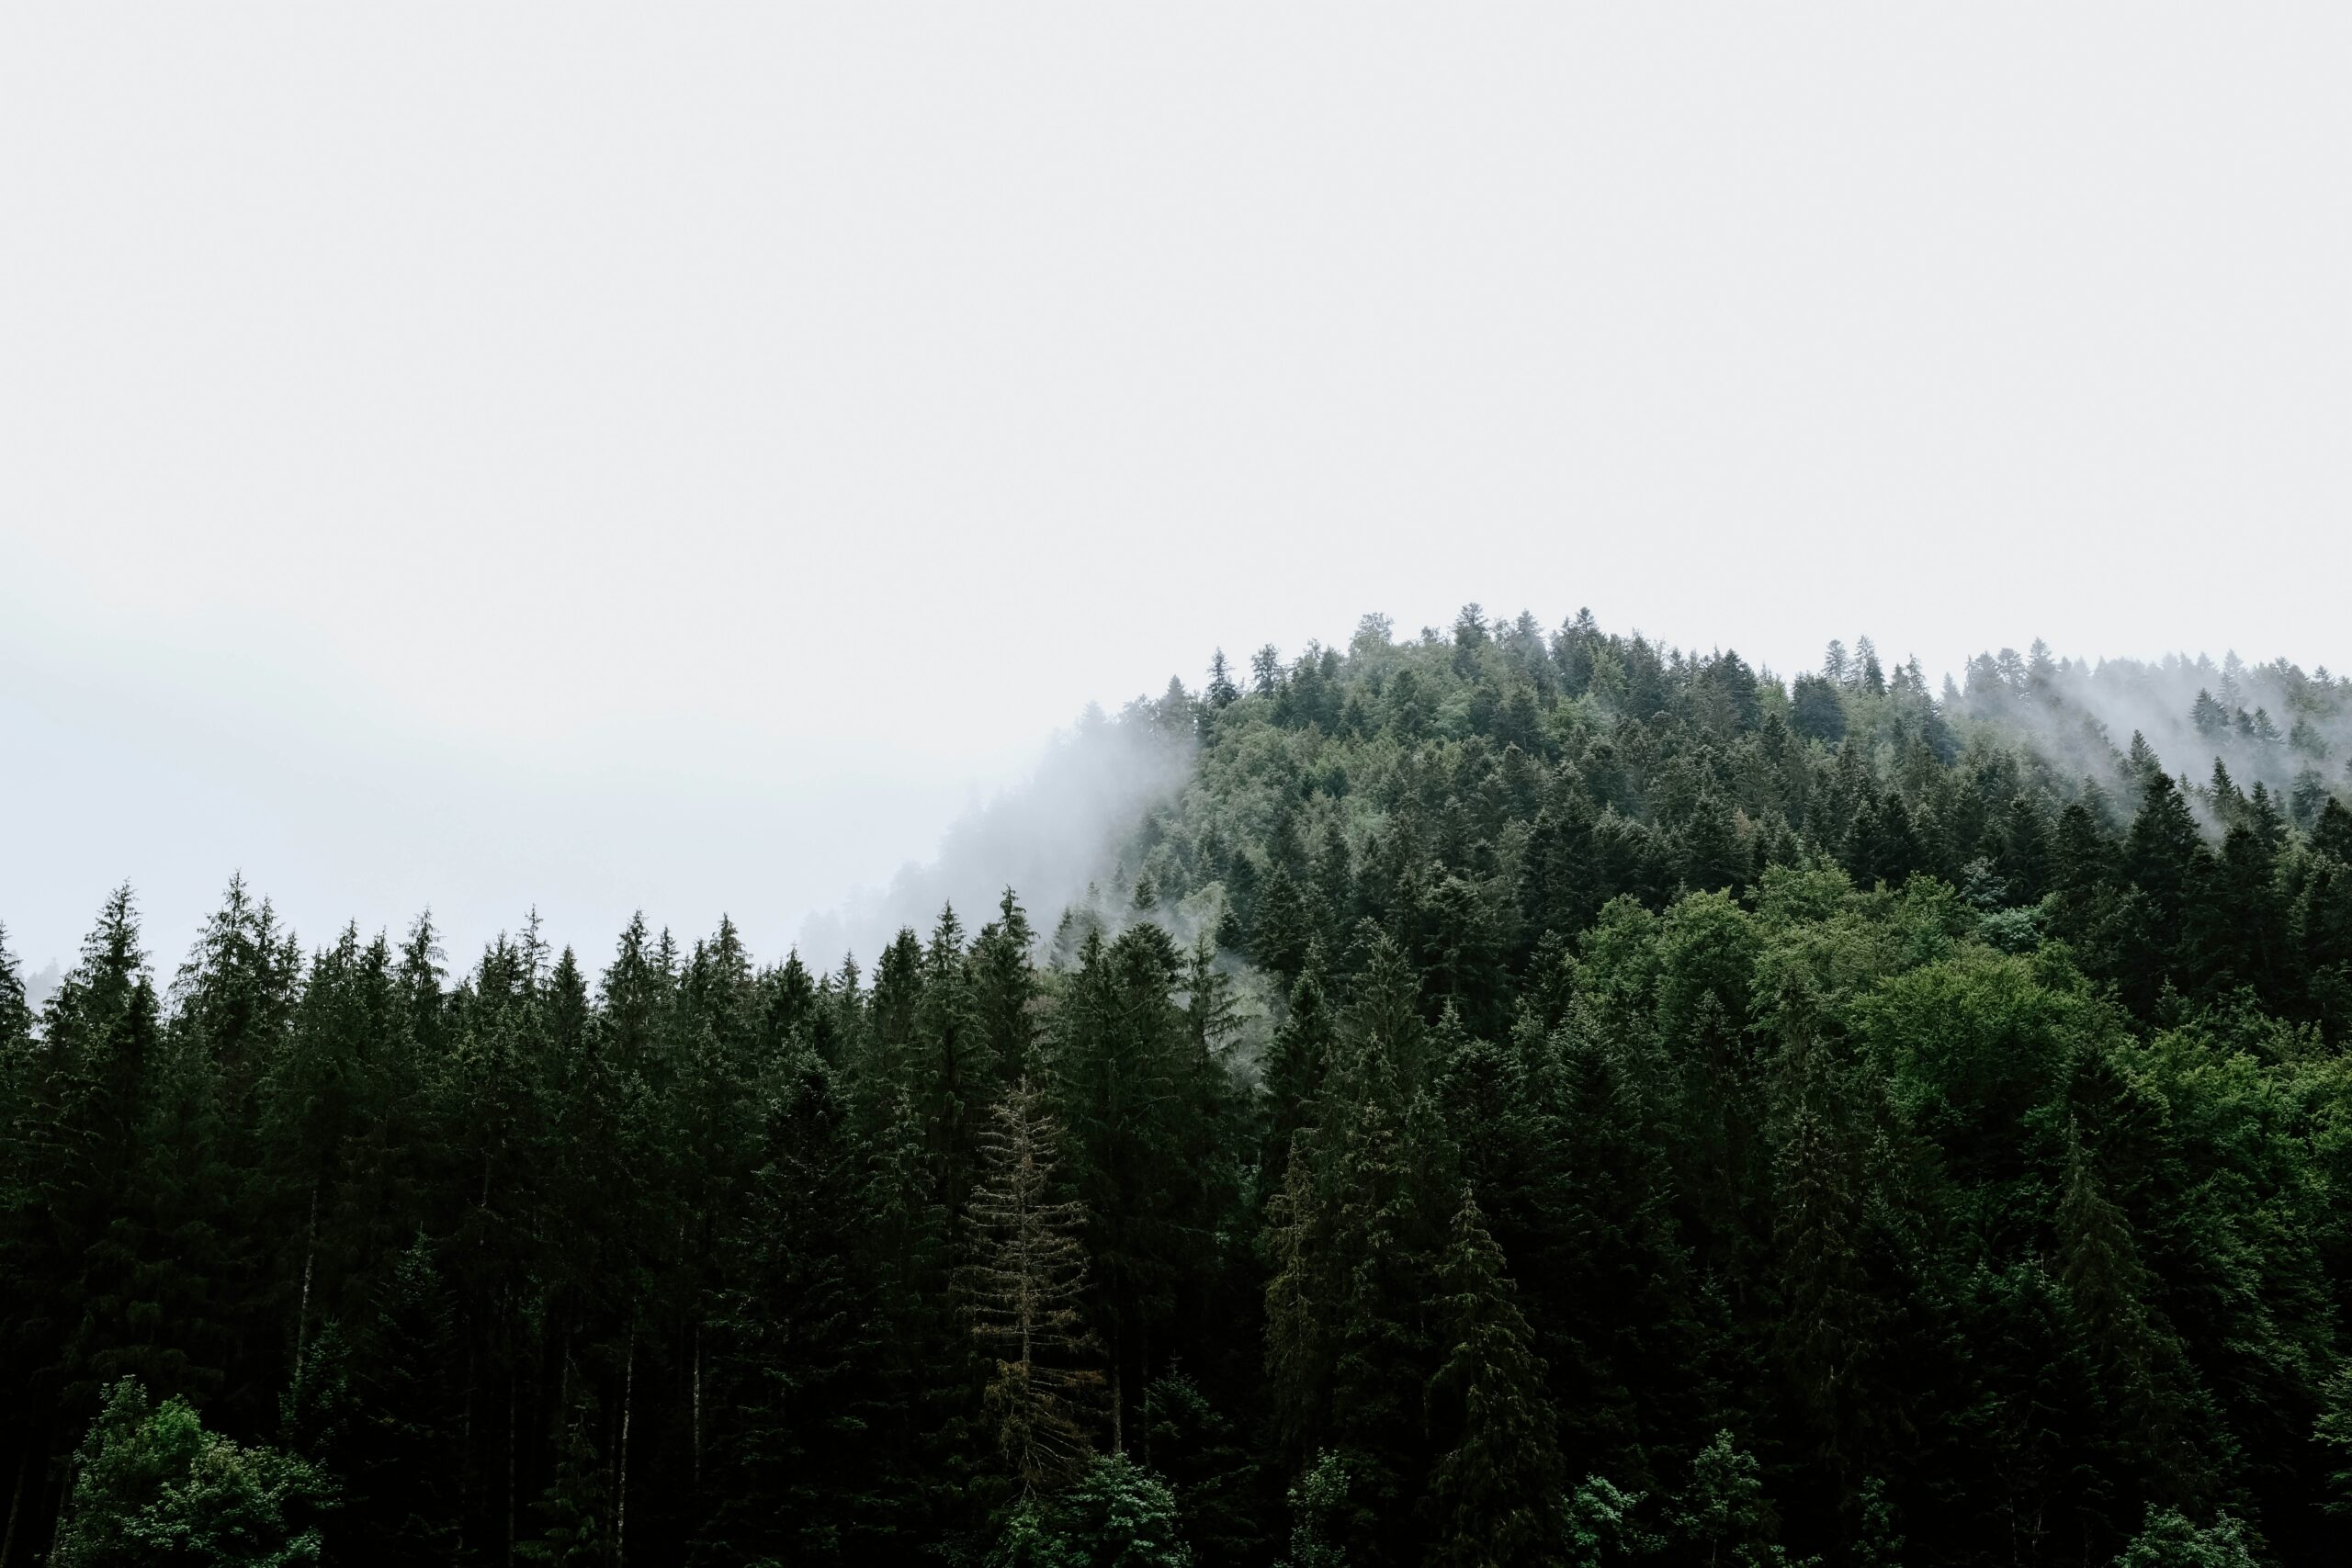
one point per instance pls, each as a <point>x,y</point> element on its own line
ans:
<point>1504,1095</point>
<point>1051,836</point>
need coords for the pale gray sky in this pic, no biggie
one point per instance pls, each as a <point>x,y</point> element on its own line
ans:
<point>673,455</point>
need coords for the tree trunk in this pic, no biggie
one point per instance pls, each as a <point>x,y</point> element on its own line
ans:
<point>1118,1403</point>
<point>65,1502</point>
<point>302,1309</point>
<point>15,1503</point>
<point>466,1470</point>
<point>562,1385</point>
<point>620,1508</point>
<point>698,1429</point>
<point>513,1375</point>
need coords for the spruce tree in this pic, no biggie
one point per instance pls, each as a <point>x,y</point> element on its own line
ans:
<point>16,1017</point>
<point>1357,1241</point>
<point>1295,1067</point>
<point>1005,990</point>
<point>794,1471</point>
<point>1825,1327</point>
<point>1024,1285</point>
<point>1495,1494</point>
<point>1817,713</point>
<point>1221,691</point>
<point>2101,1266</point>
<point>94,1085</point>
<point>404,1471</point>
<point>1283,925</point>
<point>953,1070</point>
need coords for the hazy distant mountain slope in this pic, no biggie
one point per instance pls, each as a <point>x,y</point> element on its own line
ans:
<point>1518,780</point>
<point>1521,778</point>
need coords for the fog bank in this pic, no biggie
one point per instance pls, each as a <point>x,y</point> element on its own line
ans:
<point>2270,725</point>
<point>1050,840</point>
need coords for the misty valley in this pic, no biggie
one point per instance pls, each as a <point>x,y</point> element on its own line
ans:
<point>1502,1094</point>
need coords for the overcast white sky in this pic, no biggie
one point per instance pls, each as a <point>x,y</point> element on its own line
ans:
<point>671,457</point>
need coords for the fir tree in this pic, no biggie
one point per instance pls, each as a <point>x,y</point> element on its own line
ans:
<point>1825,1328</point>
<point>1221,692</point>
<point>1296,1065</point>
<point>1495,1493</point>
<point>16,1017</point>
<point>1024,1287</point>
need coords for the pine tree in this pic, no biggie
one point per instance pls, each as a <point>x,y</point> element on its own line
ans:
<point>793,1466</point>
<point>420,979</point>
<point>2101,1266</point>
<point>1024,1284</point>
<point>319,1093</point>
<point>94,1082</point>
<point>1871,678</point>
<point>15,1018</point>
<point>1496,1493</point>
<point>1356,1242</point>
<point>2169,873</point>
<point>1816,714</point>
<point>2024,855</point>
<point>1005,990</point>
<point>1221,693</point>
<point>904,1243</point>
<point>1295,1066</point>
<point>953,1067</point>
<point>575,1510</point>
<point>1713,855</point>
<point>1825,1328</point>
<point>1283,925</point>
<point>28,1269</point>
<point>1300,1286</point>
<point>233,998</point>
<point>1265,669</point>
<point>403,1475</point>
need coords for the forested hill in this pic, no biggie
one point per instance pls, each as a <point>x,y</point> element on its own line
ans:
<point>1525,1099</point>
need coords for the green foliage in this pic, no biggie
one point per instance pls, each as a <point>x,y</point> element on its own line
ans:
<point>1602,1527</point>
<point>2333,1429</point>
<point>152,1487</point>
<point>1495,1491</point>
<point>1024,1288</point>
<point>1877,1544</point>
<point>575,1511</point>
<point>2173,1540</point>
<point>1114,1515</point>
<point>1722,1514</point>
<point>1323,1514</point>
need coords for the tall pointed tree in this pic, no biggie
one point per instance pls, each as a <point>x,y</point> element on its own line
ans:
<point>1495,1494</point>
<point>1024,1284</point>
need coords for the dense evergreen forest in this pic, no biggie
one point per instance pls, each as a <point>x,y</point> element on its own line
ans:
<point>1525,1099</point>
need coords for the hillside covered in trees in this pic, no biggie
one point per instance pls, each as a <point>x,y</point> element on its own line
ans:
<point>1522,1097</point>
